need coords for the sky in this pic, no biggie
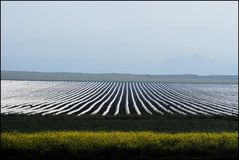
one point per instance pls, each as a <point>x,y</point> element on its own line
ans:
<point>120,37</point>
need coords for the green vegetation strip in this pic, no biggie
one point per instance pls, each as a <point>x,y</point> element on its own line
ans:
<point>77,144</point>
<point>156,123</point>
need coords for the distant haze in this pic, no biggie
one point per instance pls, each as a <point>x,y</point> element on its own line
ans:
<point>120,37</point>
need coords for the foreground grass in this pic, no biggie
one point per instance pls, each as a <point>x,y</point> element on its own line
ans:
<point>157,123</point>
<point>118,145</point>
<point>118,137</point>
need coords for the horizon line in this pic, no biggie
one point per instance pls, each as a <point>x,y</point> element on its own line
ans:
<point>146,74</point>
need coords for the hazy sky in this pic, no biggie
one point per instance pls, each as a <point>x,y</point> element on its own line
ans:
<point>120,37</point>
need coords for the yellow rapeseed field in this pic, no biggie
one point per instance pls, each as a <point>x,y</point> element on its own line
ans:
<point>142,142</point>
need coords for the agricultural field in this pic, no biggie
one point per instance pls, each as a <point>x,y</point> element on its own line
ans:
<point>118,120</point>
<point>120,145</point>
<point>117,98</point>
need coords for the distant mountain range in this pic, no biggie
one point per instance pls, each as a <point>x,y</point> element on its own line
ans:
<point>190,78</point>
